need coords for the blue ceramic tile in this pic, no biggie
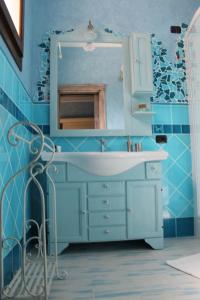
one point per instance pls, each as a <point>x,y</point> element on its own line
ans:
<point>178,227</point>
<point>185,161</point>
<point>185,226</point>
<point>162,114</point>
<point>15,92</point>
<point>2,73</point>
<point>45,129</point>
<point>41,114</point>
<point>118,144</point>
<point>167,164</point>
<point>174,147</point>
<point>169,228</point>
<point>167,128</point>
<point>186,189</point>
<point>8,80</point>
<point>186,129</point>
<point>157,128</point>
<point>11,107</point>
<point>188,212</point>
<point>176,128</point>
<point>180,114</point>
<point>148,144</point>
<point>185,140</point>
<point>177,202</point>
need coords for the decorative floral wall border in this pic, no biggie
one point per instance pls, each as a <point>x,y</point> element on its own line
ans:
<point>169,77</point>
<point>43,85</point>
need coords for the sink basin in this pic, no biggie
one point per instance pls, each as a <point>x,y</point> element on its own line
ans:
<point>106,163</point>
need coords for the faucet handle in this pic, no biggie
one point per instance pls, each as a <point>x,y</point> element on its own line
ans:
<point>103,143</point>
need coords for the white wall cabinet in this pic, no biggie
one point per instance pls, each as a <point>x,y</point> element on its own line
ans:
<point>141,64</point>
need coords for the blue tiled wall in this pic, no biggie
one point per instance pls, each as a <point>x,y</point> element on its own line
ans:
<point>15,105</point>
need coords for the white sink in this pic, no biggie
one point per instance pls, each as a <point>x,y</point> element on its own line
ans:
<point>106,163</point>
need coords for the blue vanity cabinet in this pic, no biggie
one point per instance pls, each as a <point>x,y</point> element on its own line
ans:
<point>141,64</point>
<point>144,218</point>
<point>92,208</point>
<point>71,214</point>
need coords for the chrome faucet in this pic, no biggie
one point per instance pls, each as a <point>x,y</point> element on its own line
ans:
<point>103,144</point>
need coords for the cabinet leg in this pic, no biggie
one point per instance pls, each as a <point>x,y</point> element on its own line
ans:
<point>155,243</point>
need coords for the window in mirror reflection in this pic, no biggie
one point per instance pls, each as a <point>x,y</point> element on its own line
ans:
<point>82,106</point>
<point>96,101</point>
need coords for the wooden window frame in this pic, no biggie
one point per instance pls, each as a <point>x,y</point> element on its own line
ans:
<point>98,93</point>
<point>13,40</point>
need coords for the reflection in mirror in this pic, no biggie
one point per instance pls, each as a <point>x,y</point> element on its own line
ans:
<point>90,86</point>
<point>82,106</point>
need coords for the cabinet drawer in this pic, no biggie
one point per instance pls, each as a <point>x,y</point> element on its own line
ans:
<point>153,170</point>
<point>106,188</point>
<point>60,174</point>
<point>107,233</point>
<point>106,203</point>
<point>107,218</point>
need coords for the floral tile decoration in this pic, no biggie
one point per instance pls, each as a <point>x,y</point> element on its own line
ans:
<point>169,77</point>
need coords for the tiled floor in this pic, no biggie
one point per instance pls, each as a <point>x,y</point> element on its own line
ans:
<point>126,271</point>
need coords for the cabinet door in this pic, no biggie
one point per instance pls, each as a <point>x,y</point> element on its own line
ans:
<point>141,64</point>
<point>71,212</point>
<point>144,209</point>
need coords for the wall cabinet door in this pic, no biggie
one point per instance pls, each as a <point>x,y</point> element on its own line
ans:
<point>141,64</point>
<point>144,210</point>
<point>71,212</point>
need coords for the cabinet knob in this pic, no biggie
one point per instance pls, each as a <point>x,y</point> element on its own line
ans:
<point>106,231</point>
<point>83,212</point>
<point>106,216</point>
<point>105,185</point>
<point>153,168</point>
<point>129,209</point>
<point>106,202</point>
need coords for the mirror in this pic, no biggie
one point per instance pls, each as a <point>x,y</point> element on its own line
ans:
<point>87,87</point>
<point>90,86</point>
